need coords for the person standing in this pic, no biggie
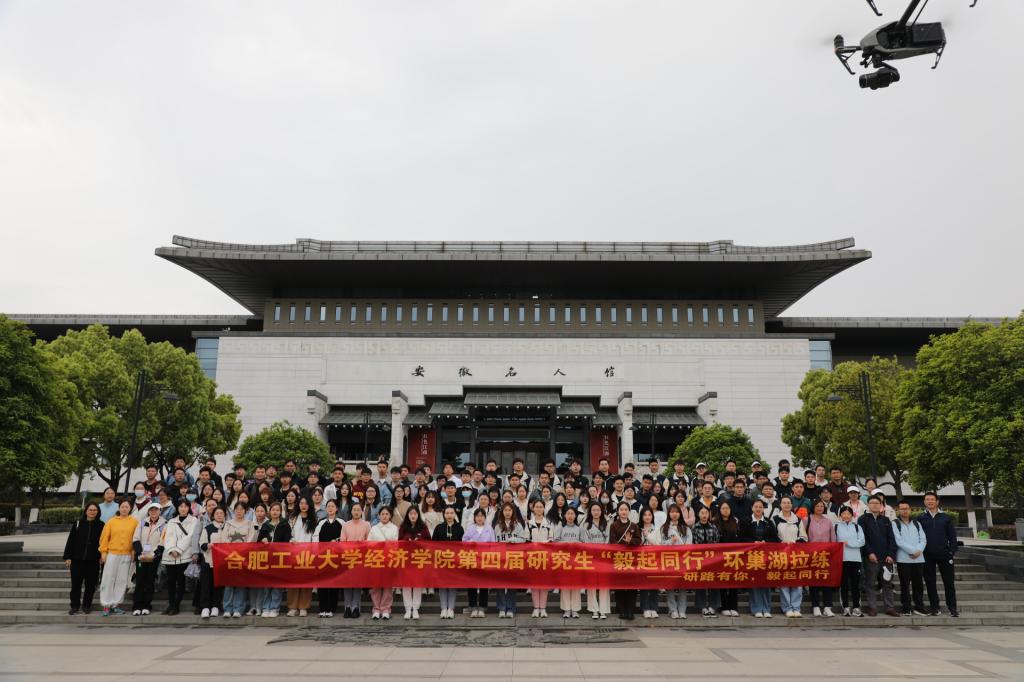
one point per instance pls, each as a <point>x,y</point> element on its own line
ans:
<point>910,546</point>
<point>761,529</point>
<point>479,531</point>
<point>570,600</point>
<point>146,544</point>
<point>384,531</point>
<point>449,530</point>
<point>539,529</point>
<point>939,551</point>
<point>650,536</point>
<point>820,529</point>
<point>116,556</point>
<point>879,554</point>
<point>109,505</point>
<point>849,532</point>
<point>509,529</point>
<point>623,531</point>
<point>706,533</point>
<point>675,532</point>
<point>413,529</point>
<point>210,596</point>
<point>594,530</point>
<point>304,526</point>
<point>82,557</point>
<point>790,529</point>
<point>730,530</point>
<point>276,529</point>
<point>328,530</point>
<point>356,530</point>
<point>179,543</point>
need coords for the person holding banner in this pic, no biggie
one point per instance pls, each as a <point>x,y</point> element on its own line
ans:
<point>276,529</point>
<point>539,529</point>
<point>706,533</point>
<point>623,531</point>
<point>729,530</point>
<point>356,530</point>
<point>595,531</point>
<point>236,529</point>
<point>479,531</point>
<point>675,532</point>
<point>650,535</point>
<point>448,530</point>
<point>761,529</point>
<point>304,526</point>
<point>210,596</point>
<point>790,529</point>
<point>413,528</point>
<point>568,531</point>
<point>820,529</point>
<point>384,531</point>
<point>508,528</point>
<point>328,530</point>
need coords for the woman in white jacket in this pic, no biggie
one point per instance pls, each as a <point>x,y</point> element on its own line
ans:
<point>304,526</point>
<point>384,531</point>
<point>179,540</point>
<point>539,529</point>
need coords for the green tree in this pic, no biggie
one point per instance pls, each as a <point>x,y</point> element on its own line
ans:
<point>715,444</point>
<point>278,443</point>
<point>195,423</point>
<point>962,411</point>
<point>830,427</point>
<point>40,415</point>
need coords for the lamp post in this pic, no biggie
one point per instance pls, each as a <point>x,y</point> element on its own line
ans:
<point>862,392</point>
<point>366,436</point>
<point>141,388</point>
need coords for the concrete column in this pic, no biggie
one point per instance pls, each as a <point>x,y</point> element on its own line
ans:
<point>316,410</point>
<point>707,407</point>
<point>625,410</point>
<point>399,431</point>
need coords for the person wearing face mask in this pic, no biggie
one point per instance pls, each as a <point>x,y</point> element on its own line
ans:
<point>146,544</point>
<point>177,542</point>
<point>140,502</point>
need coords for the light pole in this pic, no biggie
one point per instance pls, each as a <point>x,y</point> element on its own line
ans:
<point>862,392</point>
<point>140,395</point>
<point>366,437</point>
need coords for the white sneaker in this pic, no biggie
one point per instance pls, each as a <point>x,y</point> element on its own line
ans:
<point>386,616</point>
<point>214,612</point>
<point>817,612</point>
<point>604,616</point>
<point>137,612</point>
<point>236,614</point>
<point>205,614</point>
<point>797,614</point>
<point>302,613</point>
<point>227,614</point>
<point>673,615</point>
<point>828,612</point>
<point>758,615</point>
<point>274,613</point>
<point>846,610</point>
<point>574,614</point>
<point>543,613</point>
<point>292,613</point>
<point>415,614</point>
<point>856,613</point>
<point>408,614</point>
<point>145,612</point>
<point>536,612</point>
<point>682,615</point>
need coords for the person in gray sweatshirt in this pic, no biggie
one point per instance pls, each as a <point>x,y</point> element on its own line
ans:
<point>594,530</point>
<point>568,531</point>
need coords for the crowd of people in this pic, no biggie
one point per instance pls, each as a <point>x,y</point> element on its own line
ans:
<point>164,531</point>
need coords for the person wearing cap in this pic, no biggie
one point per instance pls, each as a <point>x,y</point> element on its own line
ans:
<point>854,503</point>
<point>871,488</point>
<point>879,553</point>
<point>146,544</point>
<point>698,477</point>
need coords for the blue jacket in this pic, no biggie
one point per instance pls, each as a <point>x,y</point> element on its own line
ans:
<point>909,540</point>
<point>878,537</point>
<point>852,537</point>
<point>940,533</point>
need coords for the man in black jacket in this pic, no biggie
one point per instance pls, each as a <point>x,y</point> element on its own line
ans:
<point>940,533</point>
<point>879,554</point>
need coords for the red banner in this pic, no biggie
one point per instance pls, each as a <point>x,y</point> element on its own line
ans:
<point>604,443</point>
<point>422,448</point>
<point>501,565</point>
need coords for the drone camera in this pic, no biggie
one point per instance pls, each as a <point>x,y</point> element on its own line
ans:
<point>882,78</point>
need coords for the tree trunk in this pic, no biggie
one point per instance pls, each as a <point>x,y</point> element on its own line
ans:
<point>37,503</point>
<point>897,482</point>
<point>988,506</point>
<point>972,519</point>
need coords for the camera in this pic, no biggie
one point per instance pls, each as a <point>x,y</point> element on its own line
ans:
<point>882,78</point>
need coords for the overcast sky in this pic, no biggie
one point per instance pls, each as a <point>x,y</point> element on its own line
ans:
<point>122,123</point>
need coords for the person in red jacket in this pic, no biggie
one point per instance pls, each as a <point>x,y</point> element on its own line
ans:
<point>413,528</point>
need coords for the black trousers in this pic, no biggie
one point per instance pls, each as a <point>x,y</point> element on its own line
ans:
<point>821,597</point>
<point>945,566</point>
<point>625,602</point>
<point>911,584</point>
<point>208,595</point>
<point>87,572</point>
<point>328,599</point>
<point>175,584</point>
<point>849,590</point>
<point>477,597</point>
<point>730,599</point>
<point>145,579</point>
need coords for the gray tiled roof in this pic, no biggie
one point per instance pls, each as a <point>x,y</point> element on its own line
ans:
<point>513,398</point>
<point>671,417</point>
<point>354,416</point>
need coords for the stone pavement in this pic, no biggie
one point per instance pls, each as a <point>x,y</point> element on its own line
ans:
<point>84,653</point>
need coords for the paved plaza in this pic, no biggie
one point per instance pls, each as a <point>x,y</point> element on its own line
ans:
<point>85,653</point>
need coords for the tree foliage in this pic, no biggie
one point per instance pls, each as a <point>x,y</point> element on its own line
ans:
<point>962,411</point>
<point>105,369</point>
<point>278,443</point>
<point>833,431</point>
<point>715,444</point>
<point>40,414</point>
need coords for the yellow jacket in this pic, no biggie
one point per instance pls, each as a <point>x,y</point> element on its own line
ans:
<point>117,535</point>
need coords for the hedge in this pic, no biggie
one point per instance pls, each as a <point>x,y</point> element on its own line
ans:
<point>1003,532</point>
<point>6,527</point>
<point>59,515</point>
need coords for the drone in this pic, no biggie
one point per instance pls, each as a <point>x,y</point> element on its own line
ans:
<point>896,40</point>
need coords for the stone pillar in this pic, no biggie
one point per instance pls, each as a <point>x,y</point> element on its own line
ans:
<point>399,431</point>
<point>707,407</point>
<point>316,410</point>
<point>625,410</point>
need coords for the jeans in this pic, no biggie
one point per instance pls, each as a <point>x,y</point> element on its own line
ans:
<point>821,597</point>
<point>676,600</point>
<point>872,580</point>
<point>911,585</point>
<point>87,572</point>
<point>708,599</point>
<point>945,566</point>
<point>256,596</point>
<point>477,597</point>
<point>506,601</point>
<point>648,600</point>
<point>760,600</point>
<point>849,593</point>
<point>234,599</point>
<point>446,595</point>
<point>352,598</point>
<point>271,599</point>
<point>790,598</point>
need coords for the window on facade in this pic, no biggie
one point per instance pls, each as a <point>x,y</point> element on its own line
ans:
<point>583,314</point>
<point>643,314</point>
<point>398,313</point>
<point>552,314</point>
<point>430,313</point>
<point>659,314</point>
<point>444,313</point>
<point>536,313</point>
<point>735,314</point>
<point>750,314</point>
<point>353,313</point>
<point>721,315</point>
<point>689,314</point>
<point>522,313</point>
<point>277,313</point>
<point>383,312</point>
<point>414,313</point>
<point>705,315</point>
<point>675,314</point>
<point>323,313</point>
<point>568,313</point>
<point>629,314</point>
<point>307,313</point>
<point>505,313</point>
<point>337,313</point>
<point>490,313</point>
<point>613,314</point>
<point>369,313</point>
<point>291,313</point>
<point>597,313</point>
<point>476,313</point>
<point>458,313</point>
<point>821,354</point>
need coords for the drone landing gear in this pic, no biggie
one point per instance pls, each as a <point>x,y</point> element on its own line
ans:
<point>844,53</point>
<point>871,4</point>
<point>883,78</point>
<point>938,57</point>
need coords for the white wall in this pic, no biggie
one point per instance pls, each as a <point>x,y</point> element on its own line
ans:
<point>756,379</point>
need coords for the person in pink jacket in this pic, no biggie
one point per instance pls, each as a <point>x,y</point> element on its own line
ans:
<point>356,530</point>
<point>820,529</point>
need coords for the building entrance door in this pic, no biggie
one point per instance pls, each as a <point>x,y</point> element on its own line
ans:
<point>504,445</point>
